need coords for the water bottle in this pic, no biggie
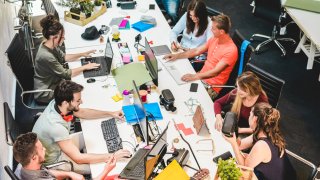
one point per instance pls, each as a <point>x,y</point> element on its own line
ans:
<point>126,97</point>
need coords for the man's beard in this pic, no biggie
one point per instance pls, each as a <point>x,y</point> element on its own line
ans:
<point>73,108</point>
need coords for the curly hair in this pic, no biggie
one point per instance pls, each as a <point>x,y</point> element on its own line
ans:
<point>24,148</point>
<point>51,26</point>
<point>268,122</point>
<point>200,11</point>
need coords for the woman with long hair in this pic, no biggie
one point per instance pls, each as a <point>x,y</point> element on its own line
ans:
<point>194,25</point>
<point>267,156</point>
<point>241,100</point>
<point>50,60</point>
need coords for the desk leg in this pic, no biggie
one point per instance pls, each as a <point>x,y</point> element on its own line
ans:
<point>301,43</point>
<point>311,56</point>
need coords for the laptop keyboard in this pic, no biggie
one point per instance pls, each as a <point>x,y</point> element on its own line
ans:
<point>104,68</point>
<point>138,170</point>
<point>111,135</point>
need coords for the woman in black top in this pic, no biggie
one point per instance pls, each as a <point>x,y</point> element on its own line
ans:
<point>267,156</point>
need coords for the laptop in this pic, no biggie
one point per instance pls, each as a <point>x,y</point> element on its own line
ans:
<point>144,160</point>
<point>161,50</point>
<point>104,61</point>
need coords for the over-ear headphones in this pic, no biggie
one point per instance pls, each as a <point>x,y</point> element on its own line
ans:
<point>68,117</point>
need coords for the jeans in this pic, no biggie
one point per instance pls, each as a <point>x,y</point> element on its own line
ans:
<point>171,7</point>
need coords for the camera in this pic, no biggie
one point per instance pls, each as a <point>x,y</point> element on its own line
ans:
<point>167,100</point>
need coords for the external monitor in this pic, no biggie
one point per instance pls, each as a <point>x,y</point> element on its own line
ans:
<point>156,153</point>
<point>140,114</point>
<point>151,63</point>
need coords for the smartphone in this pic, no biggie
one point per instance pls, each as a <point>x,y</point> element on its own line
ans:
<point>223,156</point>
<point>194,87</point>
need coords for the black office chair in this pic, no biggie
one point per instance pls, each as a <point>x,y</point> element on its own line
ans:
<point>271,84</point>
<point>317,174</point>
<point>49,8</point>
<point>13,175</point>
<point>212,12</point>
<point>181,10</point>
<point>10,173</point>
<point>305,170</point>
<point>270,10</point>
<point>23,69</point>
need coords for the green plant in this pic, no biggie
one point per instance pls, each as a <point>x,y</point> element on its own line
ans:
<point>97,2</point>
<point>228,170</point>
<point>72,4</point>
<point>86,6</point>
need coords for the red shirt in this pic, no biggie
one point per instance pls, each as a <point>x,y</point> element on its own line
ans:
<point>227,52</point>
<point>244,111</point>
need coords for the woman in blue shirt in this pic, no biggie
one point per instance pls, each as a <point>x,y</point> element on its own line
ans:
<point>195,26</point>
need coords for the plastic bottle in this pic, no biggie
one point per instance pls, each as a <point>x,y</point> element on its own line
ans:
<point>126,97</point>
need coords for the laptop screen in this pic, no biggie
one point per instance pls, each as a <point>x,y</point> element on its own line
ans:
<point>108,50</point>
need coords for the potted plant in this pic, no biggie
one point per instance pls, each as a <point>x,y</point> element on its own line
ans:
<point>86,7</point>
<point>228,170</point>
<point>97,5</point>
<point>74,8</point>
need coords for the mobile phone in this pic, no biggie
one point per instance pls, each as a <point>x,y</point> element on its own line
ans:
<point>223,156</point>
<point>152,6</point>
<point>194,87</point>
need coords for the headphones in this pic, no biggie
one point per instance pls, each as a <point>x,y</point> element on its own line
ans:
<point>68,117</point>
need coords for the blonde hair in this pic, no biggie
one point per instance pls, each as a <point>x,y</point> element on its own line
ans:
<point>268,122</point>
<point>249,83</point>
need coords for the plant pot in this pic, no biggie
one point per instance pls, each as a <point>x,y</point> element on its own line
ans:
<point>97,8</point>
<point>88,15</point>
<point>75,11</point>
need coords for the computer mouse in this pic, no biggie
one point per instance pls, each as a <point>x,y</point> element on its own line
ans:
<point>91,80</point>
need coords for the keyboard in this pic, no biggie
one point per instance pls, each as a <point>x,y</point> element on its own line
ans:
<point>104,68</point>
<point>136,166</point>
<point>111,135</point>
<point>174,72</point>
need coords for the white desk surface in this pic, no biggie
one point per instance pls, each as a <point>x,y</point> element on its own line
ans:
<point>308,22</point>
<point>96,96</point>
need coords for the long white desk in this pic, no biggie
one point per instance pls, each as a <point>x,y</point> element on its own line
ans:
<point>98,95</point>
<point>308,22</point>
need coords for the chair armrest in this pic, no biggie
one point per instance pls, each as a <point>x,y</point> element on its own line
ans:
<point>197,61</point>
<point>36,91</point>
<point>60,163</point>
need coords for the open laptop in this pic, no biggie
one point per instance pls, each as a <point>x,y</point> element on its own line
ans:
<point>104,61</point>
<point>144,160</point>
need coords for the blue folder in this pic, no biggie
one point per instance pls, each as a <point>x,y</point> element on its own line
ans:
<point>131,113</point>
<point>141,26</point>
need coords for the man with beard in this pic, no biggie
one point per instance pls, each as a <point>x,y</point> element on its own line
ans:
<point>30,153</point>
<point>53,129</point>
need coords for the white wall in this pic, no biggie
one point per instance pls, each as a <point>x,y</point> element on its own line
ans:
<point>7,80</point>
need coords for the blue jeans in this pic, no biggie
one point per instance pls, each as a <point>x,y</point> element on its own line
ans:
<point>171,7</point>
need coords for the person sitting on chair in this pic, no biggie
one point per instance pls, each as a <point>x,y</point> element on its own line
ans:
<point>222,56</point>
<point>267,156</point>
<point>171,7</point>
<point>50,67</point>
<point>53,129</point>
<point>248,93</point>
<point>195,27</point>
<point>30,153</point>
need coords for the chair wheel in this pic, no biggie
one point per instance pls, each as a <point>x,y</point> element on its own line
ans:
<point>283,55</point>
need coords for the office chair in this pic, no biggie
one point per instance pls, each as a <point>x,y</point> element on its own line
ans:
<point>317,174</point>
<point>272,11</point>
<point>49,8</point>
<point>305,170</point>
<point>271,84</point>
<point>14,175</point>
<point>212,12</point>
<point>181,10</point>
<point>23,69</point>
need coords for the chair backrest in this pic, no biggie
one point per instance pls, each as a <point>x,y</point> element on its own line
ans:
<point>49,8</point>
<point>212,12</point>
<point>20,64</point>
<point>237,39</point>
<point>12,127</point>
<point>268,9</point>
<point>10,173</point>
<point>271,84</point>
<point>305,170</point>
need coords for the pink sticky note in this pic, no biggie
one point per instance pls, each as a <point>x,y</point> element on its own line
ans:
<point>187,131</point>
<point>180,126</point>
<point>126,58</point>
<point>123,23</point>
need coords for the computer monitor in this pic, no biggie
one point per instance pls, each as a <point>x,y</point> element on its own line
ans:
<point>151,63</point>
<point>156,153</point>
<point>140,114</point>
